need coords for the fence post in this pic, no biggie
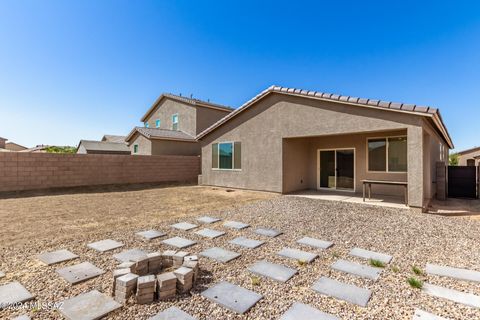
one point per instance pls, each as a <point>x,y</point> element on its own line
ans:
<point>441,173</point>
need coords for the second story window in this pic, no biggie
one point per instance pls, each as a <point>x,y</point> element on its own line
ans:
<point>175,122</point>
<point>146,124</point>
<point>157,123</point>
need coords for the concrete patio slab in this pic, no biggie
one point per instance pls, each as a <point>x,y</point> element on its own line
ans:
<point>366,254</point>
<point>13,293</point>
<point>456,273</point>
<point>316,243</point>
<point>273,271</point>
<point>185,226</point>
<point>342,291</point>
<point>467,299</point>
<point>236,225</point>
<point>172,313</point>
<point>151,234</point>
<point>247,243</point>
<point>179,242</point>
<point>357,269</point>
<point>271,233</point>
<point>210,233</point>
<point>423,315</point>
<point>220,254</point>
<point>54,257</point>
<point>130,255</point>
<point>88,306</point>
<point>298,255</point>
<point>105,245</point>
<point>300,311</point>
<point>208,220</point>
<point>232,297</point>
<point>80,272</point>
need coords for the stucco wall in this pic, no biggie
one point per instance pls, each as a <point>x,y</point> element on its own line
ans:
<point>168,147</point>
<point>144,145</point>
<point>207,116</point>
<point>263,127</point>
<point>462,159</point>
<point>167,108</point>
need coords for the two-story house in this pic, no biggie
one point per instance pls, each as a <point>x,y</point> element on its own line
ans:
<point>172,124</point>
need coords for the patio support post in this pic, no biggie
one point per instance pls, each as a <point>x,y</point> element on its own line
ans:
<point>415,154</point>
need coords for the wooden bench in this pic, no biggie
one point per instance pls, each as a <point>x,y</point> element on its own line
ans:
<point>369,183</point>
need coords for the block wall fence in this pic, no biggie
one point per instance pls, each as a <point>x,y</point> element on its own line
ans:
<point>34,171</point>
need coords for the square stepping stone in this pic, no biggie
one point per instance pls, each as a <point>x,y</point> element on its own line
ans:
<point>105,245</point>
<point>130,255</point>
<point>151,234</point>
<point>22,317</point>
<point>342,291</point>
<point>236,225</point>
<point>271,233</point>
<point>220,254</point>
<point>298,255</point>
<point>208,220</point>
<point>172,313</point>
<point>209,233</point>
<point>13,293</point>
<point>467,299</point>
<point>88,306</point>
<point>423,315</point>
<point>179,242</point>
<point>247,243</point>
<point>2,275</point>
<point>232,297</point>
<point>456,273</point>
<point>185,226</point>
<point>300,311</point>
<point>366,254</point>
<point>357,269</point>
<point>80,272</point>
<point>273,271</point>
<point>58,256</point>
<point>316,243</point>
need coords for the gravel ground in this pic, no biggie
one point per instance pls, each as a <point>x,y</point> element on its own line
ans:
<point>411,238</point>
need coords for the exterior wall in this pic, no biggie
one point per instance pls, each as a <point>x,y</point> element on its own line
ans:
<point>462,158</point>
<point>144,145</point>
<point>81,149</point>
<point>262,130</point>
<point>187,116</point>
<point>2,143</point>
<point>206,117</point>
<point>169,147</point>
<point>31,171</point>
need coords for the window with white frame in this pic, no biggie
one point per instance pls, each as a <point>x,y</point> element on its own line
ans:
<point>175,122</point>
<point>227,156</point>
<point>387,154</point>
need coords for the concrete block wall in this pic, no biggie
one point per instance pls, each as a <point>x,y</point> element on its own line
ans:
<point>33,171</point>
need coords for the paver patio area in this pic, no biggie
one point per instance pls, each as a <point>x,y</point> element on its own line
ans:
<point>325,228</point>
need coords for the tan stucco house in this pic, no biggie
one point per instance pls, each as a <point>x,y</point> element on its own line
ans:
<point>102,147</point>
<point>285,140</point>
<point>172,124</point>
<point>469,157</point>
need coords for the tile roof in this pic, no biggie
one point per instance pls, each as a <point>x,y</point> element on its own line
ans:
<point>165,134</point>
<point>469,150</point>
<point>372,103</point>
<point>191,101</point>
<point>114,138</point>
<point>91,145</point>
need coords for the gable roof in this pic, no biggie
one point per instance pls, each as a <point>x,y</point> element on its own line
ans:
<point>113,138</point>
<point>474,149</point>
<point>190,101</point>
<point>91,145</point>
<point>15,144</point>
<point>161,134</point>
<point>361,102</point>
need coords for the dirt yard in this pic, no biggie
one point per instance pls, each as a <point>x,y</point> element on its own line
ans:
<point>65,216</point>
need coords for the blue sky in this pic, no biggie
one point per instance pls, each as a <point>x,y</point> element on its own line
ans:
<point>77,70</point>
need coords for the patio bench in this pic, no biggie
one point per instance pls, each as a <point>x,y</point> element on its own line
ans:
<point>368,183</point>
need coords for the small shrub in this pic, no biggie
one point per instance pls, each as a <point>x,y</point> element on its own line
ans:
<point>415,283</point>
<point>376,263</point>
<point>255,281</point>
<point>301,262</point>
<point>417,270</point>
<point>395,269</point>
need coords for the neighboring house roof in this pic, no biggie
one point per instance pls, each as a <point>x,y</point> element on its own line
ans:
<point>36,149</point>
<point>90,145</point>
<point>162,134</point>
<point>474,149</point>
<point>191,101</point>
<point>361,102</point>
<point>3,139</point>
<point>14,144</point>
<point>113,138</point>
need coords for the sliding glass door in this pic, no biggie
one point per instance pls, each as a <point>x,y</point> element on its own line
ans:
<point>336,169</point>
